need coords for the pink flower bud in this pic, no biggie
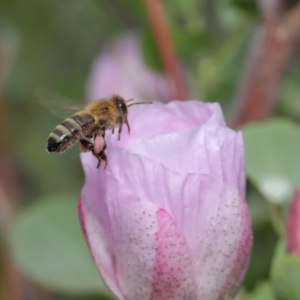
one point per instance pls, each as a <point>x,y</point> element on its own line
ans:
<point>167,219</point>
<point>293,225</point>
<point>120,69</point>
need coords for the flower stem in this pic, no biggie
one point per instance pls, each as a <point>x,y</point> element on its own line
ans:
<point>273,45</point>
<point>276,220</point>
<point>166,46</point>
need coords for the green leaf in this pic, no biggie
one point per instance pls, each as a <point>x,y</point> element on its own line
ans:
<point>187,43</point>
<point>272,158</point>
<point>263,292</point>
<point>150,51</point>
<point>49,247</point>
<point>247,6</point>
<point>286,282</point>
<point>259,208</point>
<point>265,241</point>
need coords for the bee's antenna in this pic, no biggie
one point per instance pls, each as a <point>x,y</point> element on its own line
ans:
<point>129,100</point>
<point>139,103</point>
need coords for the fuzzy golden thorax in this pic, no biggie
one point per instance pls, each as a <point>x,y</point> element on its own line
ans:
<point>109,112</point>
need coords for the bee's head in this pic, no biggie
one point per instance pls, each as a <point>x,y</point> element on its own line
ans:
<point>121,105</point>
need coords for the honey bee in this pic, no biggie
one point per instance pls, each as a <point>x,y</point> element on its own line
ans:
<point>87,123</point>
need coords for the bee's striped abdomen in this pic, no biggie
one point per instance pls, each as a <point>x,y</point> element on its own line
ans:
<point>69,132</point>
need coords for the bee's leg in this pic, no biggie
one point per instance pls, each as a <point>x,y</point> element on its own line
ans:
<point>120,122</point>
<point>87,145</point>
<point>113,131</point>
<point>127,124</point>
<point>101,155</point>
<point>119,132</point>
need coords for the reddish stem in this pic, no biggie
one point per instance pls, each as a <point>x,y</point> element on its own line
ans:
<point>274,43</point>
<point>165,46</point>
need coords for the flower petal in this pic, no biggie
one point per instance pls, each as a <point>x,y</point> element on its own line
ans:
<point>154,237</point>
<point>173,117</point>
<point>213,219</point>
<point>211,148</point>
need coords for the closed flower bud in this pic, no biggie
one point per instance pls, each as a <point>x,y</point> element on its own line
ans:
<point>167,219</point>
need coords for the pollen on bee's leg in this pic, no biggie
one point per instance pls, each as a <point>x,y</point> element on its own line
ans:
<point>99,144</point>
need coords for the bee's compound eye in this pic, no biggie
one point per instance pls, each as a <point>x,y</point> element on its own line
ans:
<point>122,106</point>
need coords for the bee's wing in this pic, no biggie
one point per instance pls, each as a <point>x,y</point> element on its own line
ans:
<point>59,105</point>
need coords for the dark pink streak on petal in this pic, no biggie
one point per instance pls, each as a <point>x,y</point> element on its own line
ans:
<point>173,277</point>
<point>293,225</point>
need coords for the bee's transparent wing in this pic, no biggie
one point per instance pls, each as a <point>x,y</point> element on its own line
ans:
<point>59,105</point>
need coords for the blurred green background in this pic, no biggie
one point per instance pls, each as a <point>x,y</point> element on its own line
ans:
<point>53,43</point>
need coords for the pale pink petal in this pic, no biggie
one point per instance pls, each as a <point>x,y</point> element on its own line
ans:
<point>158,119</point>
<point>219,150</point>
<point>115,244</point>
